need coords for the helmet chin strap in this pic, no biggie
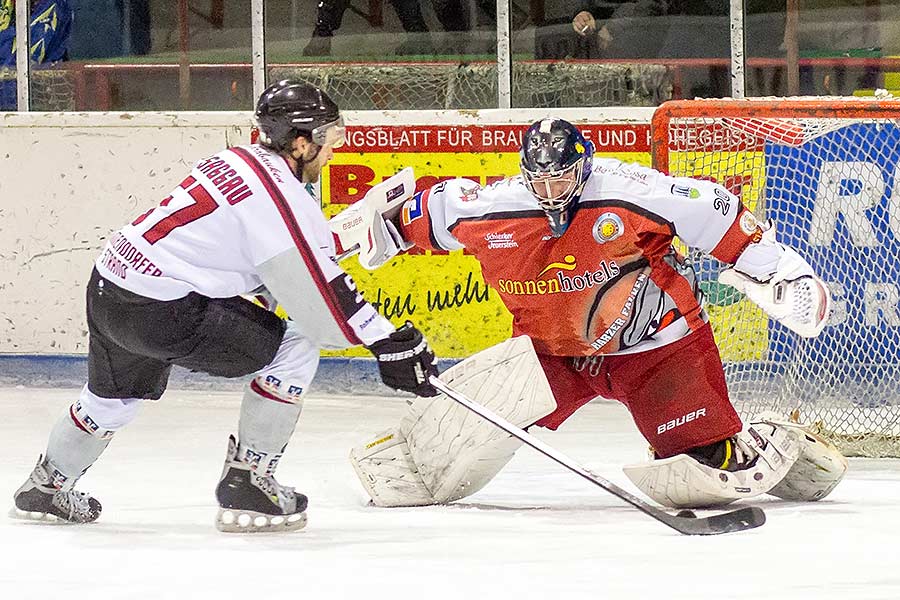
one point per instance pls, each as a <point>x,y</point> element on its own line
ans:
<point>301,161</point>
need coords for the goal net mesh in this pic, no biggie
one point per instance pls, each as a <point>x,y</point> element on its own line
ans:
<point>438,86</point>
<point>415,86</point>
<point>51,89</point>
<point>824,171</point>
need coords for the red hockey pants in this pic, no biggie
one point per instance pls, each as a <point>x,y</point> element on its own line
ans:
<point>676,394</point>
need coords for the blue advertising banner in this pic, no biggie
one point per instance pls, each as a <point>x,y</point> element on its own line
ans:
<point>833,200</point>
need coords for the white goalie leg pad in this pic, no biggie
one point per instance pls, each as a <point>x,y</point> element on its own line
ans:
<point>388,473</point>
<point>818,469</point>
<point>453,451</point>
<point>456,451</point>
<point>682,481</point>
<point>391,477</point>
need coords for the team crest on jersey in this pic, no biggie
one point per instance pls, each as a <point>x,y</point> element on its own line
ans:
<point>412,209</point>
<point>608,227</point>
<point>469,194</point>
<point>749,224</point>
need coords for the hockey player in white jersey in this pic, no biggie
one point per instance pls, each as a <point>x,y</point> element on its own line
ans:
<point>166,290</point>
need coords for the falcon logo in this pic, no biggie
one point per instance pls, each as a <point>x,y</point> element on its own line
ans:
<point>469,194</point>
<point>608,227</point>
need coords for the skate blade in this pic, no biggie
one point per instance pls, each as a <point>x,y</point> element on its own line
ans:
<point>39,517</point>
<point>229,520</point>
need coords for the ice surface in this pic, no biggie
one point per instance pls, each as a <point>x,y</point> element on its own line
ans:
<point>536,531</point>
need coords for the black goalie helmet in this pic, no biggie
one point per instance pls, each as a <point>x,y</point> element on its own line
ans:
<point>288,109</point>
<point>556,163</point>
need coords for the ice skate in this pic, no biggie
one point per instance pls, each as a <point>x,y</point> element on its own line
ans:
<point>251,501</point>
<point>47,495</point>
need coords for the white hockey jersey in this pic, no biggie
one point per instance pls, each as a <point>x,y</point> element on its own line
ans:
<point>238,221</point>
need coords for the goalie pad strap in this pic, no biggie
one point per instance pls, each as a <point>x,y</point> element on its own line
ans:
<point>818,469</point>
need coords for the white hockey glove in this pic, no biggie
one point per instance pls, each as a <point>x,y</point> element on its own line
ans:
<point>782,283</point>
<point>366,226</point>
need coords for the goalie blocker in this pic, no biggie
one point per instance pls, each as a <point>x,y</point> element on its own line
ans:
<point>441,452</point>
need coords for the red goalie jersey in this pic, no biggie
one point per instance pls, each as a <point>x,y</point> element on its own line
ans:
<point>613,283</point>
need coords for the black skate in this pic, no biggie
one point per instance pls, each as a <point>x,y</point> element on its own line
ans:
<point>253,502</point>
<point>727,455</point>
<point>47,495</point>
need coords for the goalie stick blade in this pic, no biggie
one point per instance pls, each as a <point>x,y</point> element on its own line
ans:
<point>736,520</point>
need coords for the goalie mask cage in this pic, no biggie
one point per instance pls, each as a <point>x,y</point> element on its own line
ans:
<point>825,171</point>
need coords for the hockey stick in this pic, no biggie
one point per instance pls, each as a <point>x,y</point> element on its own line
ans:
<point>685,522</point>
<point>348,253</point>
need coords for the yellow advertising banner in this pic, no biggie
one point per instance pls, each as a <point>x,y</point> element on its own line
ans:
<point>444,295</point>
<point>742,173</point>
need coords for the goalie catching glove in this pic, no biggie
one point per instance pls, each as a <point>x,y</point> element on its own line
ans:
<point>782,283</point>
<point>405,361</point>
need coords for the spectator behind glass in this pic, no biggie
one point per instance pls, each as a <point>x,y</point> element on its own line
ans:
<point>453,15</point>
<point>50,29</point>
<point>456,15</point>
<point>624,29</point>
<point>665,29</point>
<point>330,13</point>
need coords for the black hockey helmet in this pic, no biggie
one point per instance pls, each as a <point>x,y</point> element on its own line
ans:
<point>288,109</point>
<point>556,163</point>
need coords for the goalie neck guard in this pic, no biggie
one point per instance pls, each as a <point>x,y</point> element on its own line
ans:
<point>556,163</point>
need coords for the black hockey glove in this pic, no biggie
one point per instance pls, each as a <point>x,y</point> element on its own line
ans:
<point>405,361</point>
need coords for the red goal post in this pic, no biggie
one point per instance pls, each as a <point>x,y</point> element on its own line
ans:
<point>827,171</point>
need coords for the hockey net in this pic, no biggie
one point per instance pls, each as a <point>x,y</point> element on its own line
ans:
<point>439,85</point>
<point>824,170</point>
